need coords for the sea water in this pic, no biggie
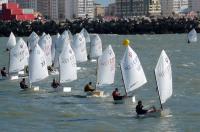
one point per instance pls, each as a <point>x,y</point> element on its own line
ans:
<point>28,111</point>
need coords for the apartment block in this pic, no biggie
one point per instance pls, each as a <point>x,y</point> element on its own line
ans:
<point>84,8</point>
<point>174,6</point>
<point>194,5</point>
<point>69,9</point>
<point>99,10</point>
<point>49,8</point>
<point>137,7</point>
<point>27,3</point>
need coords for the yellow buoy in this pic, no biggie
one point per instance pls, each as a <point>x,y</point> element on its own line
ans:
<point>126,42</point>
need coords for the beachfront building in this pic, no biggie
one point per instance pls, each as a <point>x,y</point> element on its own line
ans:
<point>65,9</point>
<point>48,8</point>
<point>84,8</point>
<point>1,2</point>
<point>32,4</point>
<point>194,5</point>
<point>126,8</point>
<point>154,7</point>
<point>69,9</point>
<point>169,7</point>
<point>99,10</point>
<point>60,9</point>
<point>110,10</point>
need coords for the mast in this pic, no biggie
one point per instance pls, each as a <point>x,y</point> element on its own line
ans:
<point>158,92</point>
<point>96,73</point>
<point>9,62</point>
<point>123,81</point>
<point>59,70</point>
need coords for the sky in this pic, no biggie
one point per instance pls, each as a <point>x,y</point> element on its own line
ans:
<point>103,2</point>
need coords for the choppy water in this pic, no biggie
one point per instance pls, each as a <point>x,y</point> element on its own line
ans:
<point>44,111</point>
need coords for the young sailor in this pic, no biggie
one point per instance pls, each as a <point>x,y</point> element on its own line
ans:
<point>55,84</point>
<point>141,111</point>
<point>3,72</point>
<point>23,84</point>
<point>116,95</point>
<point>88,87</point>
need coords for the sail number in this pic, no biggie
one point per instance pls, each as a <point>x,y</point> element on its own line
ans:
<point>133,63</point>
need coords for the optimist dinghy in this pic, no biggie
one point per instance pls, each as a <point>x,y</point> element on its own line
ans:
<point>37,67</point>
<point>192,36</point>
<point>105,71</point>
<point>132,72</point>
<point>163,74</point>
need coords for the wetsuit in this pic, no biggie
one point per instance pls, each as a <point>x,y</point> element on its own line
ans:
<point>23,85</point>
<point>3,73</point>
<point>88,88</point>
<point>139,110</point>
<point>55,84</point>
<point>116,95</point>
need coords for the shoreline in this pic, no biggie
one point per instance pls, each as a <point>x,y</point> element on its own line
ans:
<point>134,26</point>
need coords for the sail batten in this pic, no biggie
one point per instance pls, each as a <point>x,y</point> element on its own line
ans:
<point>164,77</point>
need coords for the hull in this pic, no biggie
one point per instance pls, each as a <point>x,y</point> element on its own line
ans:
<point>96,94</point>
<point>151,114</point>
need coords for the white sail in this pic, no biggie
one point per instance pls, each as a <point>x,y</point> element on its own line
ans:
<point>164,77</point>
<point>95,47</point>
<point>106,67</point>
<point>26,51</point>
<point>86,35</point>
<point>132,71</point>
<point>70,36</point>
<point>18,57</point>
<point>53,46</point>
<point>45,44</point>
<point>192,36</point>
<point>63,40</point>
<point>11,41</point>
<point>67,65</point>
<point>33,40</point>
<point>79,47</point>
<point>43,34</point>
<point>37,65</point>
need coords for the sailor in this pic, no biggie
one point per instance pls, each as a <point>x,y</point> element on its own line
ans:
<point>89,88</point>
<point>88,57</point>
<point>55,84</point>
<point>23,84</point>
<point>116,95</point>
<point>3,72</point>
<point>50,68</point>
<point>141,111</point>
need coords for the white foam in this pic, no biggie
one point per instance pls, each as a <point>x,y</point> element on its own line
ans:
<point>133,99</point>
<point>93,60</point>
<point>67,89</point>
<point>14,77</point>
<point>21,72</point>
<point>36,88</point>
